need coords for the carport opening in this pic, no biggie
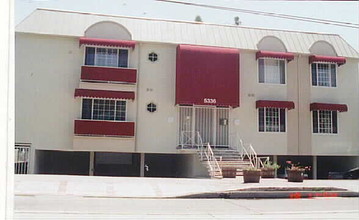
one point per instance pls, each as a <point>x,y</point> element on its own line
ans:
<point>336,165</point>
<point>164,165</point>
<point>116,164</point>
<point>62,162</point>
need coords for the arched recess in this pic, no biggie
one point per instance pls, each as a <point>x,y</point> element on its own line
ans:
<point>322,48</point>
<point>271,43</point>
<point>108,30</point>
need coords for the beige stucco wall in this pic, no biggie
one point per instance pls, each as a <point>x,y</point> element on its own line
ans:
<point>48,71</point>
<point>109,144</point>
<point>157,132</point>
<point>346,142</point>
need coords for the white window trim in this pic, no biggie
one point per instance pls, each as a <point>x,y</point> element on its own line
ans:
<point>107,47</point>
<point>114,119</point>
<point>273,84</point>
<point>330,78</point>
<point>272,132</point>
<point>325,134</point>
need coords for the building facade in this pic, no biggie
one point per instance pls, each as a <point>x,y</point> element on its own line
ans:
<point>123,96</point>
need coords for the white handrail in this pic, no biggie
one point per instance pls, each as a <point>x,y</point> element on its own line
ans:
<point>211,158</point>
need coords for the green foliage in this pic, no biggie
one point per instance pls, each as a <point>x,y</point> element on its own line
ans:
<point>249,168</point>
<point>271,165</point>
<point>198,19</point>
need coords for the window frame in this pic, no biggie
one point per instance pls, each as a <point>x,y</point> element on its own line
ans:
<point>318,133</point>
<point>106,47</point>
<point>275,84</point>
<point>92,105</point>
<point>156,107</point>
<point>330,73</point>
<point>273,132</point>
<point>155,53</point>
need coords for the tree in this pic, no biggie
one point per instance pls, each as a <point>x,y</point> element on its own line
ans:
<point>198,18</point>
<point>237,21</point>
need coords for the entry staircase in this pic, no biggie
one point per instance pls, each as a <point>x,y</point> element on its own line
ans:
<point>238,156</point>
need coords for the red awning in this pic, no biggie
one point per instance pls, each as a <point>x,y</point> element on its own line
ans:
<point>317,58</point>
<point>107,42</point>
<point>327,106</point>
<point>274,104</point>
<point>207,76</point>
<point>272,54</point>
<point>104,94</point>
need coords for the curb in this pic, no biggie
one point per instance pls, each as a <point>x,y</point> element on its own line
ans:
<point>271,195</point>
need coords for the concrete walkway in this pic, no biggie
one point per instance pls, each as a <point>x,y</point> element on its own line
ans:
<point>136,187</point>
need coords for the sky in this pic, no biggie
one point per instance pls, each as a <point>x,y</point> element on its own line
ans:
<point>338,11</point>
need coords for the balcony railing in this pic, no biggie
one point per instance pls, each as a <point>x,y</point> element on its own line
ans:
<point>104,128</point>
<point>108,74</point>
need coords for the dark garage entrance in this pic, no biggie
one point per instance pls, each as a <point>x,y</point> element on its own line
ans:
<point>62,162</point>
<point>116,164</point>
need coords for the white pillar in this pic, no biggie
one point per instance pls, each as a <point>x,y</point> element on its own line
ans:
<point>142,164</point>
<point>92,163</point>
<point>315,167</point>
<point>7,144</point>
<point>275,160</point>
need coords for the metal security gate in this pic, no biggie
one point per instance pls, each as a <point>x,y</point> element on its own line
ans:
<point>210,122</point>
<point>22,159</point>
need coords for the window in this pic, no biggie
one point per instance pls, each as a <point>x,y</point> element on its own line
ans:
<point>111,57</point>
<point>151,107</point>
<point>271,71</point>
<point>153,57</point>
<point>324,74</point>
<point>103,109</point>
<point>272,120</point>
<point>325,122</point>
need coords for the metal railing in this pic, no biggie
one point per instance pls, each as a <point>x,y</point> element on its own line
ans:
<point>22,159</point>
<point>193,139</point>
<point>247,152</point>
<point>212,161</point>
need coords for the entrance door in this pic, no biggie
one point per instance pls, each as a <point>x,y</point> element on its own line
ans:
<point>211,123</point>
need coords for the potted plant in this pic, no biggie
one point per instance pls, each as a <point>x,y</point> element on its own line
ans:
<point>251,175</point>
<point>269,169</point>
<point>296,173</point>
<point>229,172</point>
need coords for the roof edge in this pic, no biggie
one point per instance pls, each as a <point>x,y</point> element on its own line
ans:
<point>174,21</point>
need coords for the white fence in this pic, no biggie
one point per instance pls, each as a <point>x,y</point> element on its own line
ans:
<point>22,159</point>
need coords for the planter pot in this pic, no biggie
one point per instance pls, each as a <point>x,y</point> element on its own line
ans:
<point>251,176</point>
<point>295,175</point>
<point>268,173</point>
<point>229,172</point>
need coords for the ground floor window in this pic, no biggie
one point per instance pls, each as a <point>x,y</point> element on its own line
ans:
<point>103,109</point>
<point>271,120</point>
<point>325,122</point>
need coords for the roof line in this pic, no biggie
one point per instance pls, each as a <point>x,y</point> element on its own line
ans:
<point>175,21</point>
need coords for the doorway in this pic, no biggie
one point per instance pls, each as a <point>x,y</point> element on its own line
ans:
<point>210,123</point>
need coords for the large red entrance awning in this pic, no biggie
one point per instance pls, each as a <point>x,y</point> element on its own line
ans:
<point>207,76</point>
<point>274,104</point>
<point>104,94</point>
<point>107,42</point>
<point>328,106</point>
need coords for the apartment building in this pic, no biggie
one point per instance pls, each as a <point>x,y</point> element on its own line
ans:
<point>125,96</point>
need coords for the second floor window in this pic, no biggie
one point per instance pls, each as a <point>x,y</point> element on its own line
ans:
<point>111,57</point>
<point>271,120</point>
<point>271,71</point>
<point>103,109</point>
<point>324,74</point>
<point>325,122</point>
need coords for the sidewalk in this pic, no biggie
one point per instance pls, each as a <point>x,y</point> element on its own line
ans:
<point>136,187</point>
